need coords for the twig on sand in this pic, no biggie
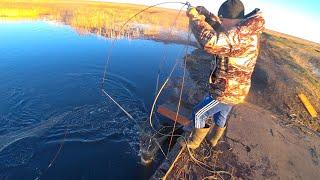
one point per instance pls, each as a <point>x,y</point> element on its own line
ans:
<point>248,149</point>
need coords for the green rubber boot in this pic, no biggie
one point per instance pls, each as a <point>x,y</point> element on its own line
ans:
<point>197,136</point>
<point>215,134</point>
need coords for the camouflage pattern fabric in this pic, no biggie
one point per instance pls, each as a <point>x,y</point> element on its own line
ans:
<point>236,52</point>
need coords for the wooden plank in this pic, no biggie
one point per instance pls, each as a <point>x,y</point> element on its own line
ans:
<point>308,105</point>
<point>166,110</point>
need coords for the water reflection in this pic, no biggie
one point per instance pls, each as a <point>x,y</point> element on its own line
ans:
<point>104,19</point>
<point>50,83</point>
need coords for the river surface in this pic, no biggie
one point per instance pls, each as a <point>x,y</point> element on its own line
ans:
<point>54,121</point>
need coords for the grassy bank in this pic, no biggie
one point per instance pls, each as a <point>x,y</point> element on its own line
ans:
<point>86,14</point>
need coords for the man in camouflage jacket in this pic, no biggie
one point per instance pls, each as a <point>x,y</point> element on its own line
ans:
<point>233,39</point>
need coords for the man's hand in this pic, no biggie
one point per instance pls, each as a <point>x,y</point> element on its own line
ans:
<point>202,10</point>
<point>209,16</point>
<point>192,12</point>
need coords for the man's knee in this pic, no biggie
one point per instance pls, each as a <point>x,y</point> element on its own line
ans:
<point>220,120</point>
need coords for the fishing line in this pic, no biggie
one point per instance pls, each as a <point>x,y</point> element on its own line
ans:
<point>121,28</point>
<point>109,57</point>
<point>165,57</point>
<point>129,115</point>
<point>180,96</point>
<point>158,79</point>
<point>155,100</point>
<point>159,93</point>
<point>112,46</point>
<point>102,85</point>
<point>201,164</point>
<point>55,156</point>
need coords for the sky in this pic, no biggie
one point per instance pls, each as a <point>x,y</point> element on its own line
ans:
<point>295,17</point>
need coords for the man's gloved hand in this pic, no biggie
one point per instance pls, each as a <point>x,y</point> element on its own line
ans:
<point>192,12</point>
<point>202,10</point>
<point>209,16</point>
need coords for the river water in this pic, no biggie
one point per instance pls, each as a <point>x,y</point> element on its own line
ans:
<point>52,109</point>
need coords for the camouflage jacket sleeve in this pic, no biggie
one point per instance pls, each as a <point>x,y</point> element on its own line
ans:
<point>234,42</point>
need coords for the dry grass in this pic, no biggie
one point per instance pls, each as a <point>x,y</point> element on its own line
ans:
<point>85,14</point>
<point>209,163</point>
<point>284,70</point>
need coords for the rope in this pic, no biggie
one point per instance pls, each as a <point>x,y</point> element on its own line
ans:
<point>128,114</point>
<point>180,96</point>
